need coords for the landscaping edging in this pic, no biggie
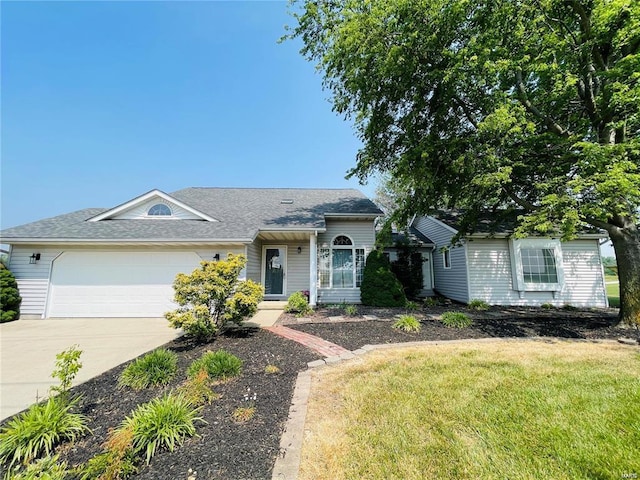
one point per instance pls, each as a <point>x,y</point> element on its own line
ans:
<point>287,465</point>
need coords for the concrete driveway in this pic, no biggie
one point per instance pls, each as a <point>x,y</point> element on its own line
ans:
<point>29,348</point>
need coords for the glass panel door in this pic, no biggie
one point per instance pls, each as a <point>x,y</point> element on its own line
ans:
<point>274,268</point>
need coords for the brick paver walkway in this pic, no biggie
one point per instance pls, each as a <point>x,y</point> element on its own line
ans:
<point>316,344</point>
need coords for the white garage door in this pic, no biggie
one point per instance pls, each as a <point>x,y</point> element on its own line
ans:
<point>116,284</point>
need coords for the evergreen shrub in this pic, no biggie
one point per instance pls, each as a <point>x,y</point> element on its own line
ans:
<point>380,287</point>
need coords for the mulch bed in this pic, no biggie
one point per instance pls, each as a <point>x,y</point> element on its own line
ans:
<point>223,449</point>
<point>353,333</point>
<point>226,450</point>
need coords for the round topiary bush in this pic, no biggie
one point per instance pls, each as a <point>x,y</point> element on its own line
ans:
<point>10,299</point>
<point>380,287</point>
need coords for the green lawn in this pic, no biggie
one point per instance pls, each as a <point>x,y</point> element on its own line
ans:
<point>497,410</point>
<point>613,290</point>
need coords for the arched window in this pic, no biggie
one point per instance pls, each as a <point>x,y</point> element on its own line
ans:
<point>159,210</point>
<point>340,265</point>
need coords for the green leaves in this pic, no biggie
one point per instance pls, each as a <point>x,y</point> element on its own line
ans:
<point>213,295</point>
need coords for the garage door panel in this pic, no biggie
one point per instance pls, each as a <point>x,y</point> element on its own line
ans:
<point>116,284</point>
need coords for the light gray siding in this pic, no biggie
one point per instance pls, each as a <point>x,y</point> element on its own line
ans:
<point>362,234</point>
<point>254,259</point>
<point>450,282</point>
<point>491,278</point>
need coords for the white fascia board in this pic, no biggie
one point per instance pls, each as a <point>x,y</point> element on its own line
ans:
<point>371,216</point>
<point>583,236</point>
<point>143,198</point>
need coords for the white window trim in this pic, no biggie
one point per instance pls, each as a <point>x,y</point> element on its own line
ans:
<point>446,252</point>
<point>154,205</point>
<point>515,246</point>
<point>331,247</point>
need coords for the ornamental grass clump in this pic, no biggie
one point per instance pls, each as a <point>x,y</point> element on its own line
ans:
<point>219,365</point>
<point>456,320</point>
<point>36,432</point>
<point>198,390</point>
<point>407,323</point>
<point>477,304</point>
<point>154,369</point>
<point>163,422</point>
<point>116,462</point>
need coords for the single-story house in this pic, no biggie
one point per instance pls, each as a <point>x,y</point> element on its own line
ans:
<point>121,261</point>
<point>493,266</point>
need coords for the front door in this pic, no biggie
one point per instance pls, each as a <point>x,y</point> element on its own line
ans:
<point>274,270</point>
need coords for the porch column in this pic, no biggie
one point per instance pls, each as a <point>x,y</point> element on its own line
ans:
<point>313,269</point>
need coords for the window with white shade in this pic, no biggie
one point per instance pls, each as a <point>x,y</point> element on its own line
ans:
<point>340,265</point>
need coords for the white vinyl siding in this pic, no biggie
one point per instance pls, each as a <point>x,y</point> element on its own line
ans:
<point>32,279</point>
<point>362,235</point>
<point>490,275</point>
<point>450,282</point>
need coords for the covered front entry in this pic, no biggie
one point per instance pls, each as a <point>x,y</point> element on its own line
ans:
<point>274,270</point>
<point>116,283</point>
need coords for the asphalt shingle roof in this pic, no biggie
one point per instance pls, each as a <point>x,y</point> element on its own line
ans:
<point>241,213</point>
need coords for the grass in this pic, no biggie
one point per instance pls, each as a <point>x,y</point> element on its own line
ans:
<point>613,290</point>
<point>477,410</point>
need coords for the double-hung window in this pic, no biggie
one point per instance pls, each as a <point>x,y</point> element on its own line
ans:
<point>536,264</point>
<point>340,265</point>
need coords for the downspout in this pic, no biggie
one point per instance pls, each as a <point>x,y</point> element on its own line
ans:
<point>45,314</point>
<point>313,269</point>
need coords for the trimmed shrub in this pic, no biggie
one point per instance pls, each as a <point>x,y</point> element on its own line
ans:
<point>380,287</point>
<point>10,299</point>
<point>477,304</point>
<point>163,422</point>
<point>153,369</point>
<point>298,303</point>
<point>456,319</point>
<point>212,296</point>
<point>218,365</point>
<point>39,430</point>
<point>407,323</point>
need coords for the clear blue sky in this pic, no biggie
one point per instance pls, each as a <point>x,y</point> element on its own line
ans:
<point>103,101</point>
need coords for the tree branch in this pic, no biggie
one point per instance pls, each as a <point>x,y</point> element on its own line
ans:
<point>524,99</point>
<point>527,205</point>
<point>463,106</point>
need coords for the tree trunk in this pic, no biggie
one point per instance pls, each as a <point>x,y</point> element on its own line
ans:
<point>626,243</point>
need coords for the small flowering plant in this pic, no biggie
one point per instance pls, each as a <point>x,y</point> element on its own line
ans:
<point>244,414</point>
<point>306,294</point>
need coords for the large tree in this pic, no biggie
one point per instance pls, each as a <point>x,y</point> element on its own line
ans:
<point>478,104</point>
